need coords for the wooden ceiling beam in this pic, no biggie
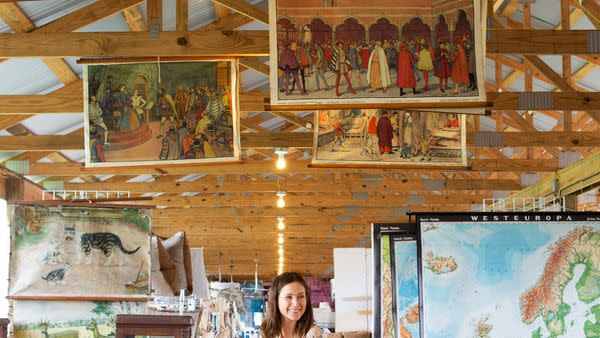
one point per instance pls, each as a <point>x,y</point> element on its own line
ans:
<point>254,63</point>
<point>544,139</point>
<point>551,42</point>
<point>134,19</point>
<point>182,16</point>
<point>222,187</point>
<point>543,68</point>
<point>41,143</point>
<point>226,23</point>
<point>135,44</point>
<point>245,43</point>
<point>246,8</point>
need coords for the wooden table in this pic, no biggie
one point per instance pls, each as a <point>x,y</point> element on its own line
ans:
<point>176,326</point>
<point>4,327</point>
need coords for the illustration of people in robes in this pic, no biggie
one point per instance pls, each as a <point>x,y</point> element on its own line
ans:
<point>407,139</point>
<point>365,54</point>
<point>320,65</point>
<point>385,133</point>
<point>289,65</point>
<point>171,148</point>
<point>406,75</point>
<point>342,68</point>
<point>139,105</point>
<point>442,66</point>
<point>166,110</point>
<point>460,71</point>
<point>355,65</point>
<point>128,119</point>
<point>104,96</point>
<point>452,121</point>
<point>97,153</point>
<point>470,52</point>
<point>304,60</point>
<point>180,102</point>
<point>391,53</point>
<point>95,115</point>
<point>371,131</point>
<point>378,73</point>
<point>339,134</point>
<point>425,63</point>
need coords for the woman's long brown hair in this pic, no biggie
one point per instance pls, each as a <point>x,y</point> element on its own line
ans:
<point>271,326</point>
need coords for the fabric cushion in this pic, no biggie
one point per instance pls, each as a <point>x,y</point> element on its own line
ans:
<point>175,246</point>
<point>158,281</point>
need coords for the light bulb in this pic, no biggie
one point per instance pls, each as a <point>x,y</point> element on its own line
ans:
<point>280,270</point>
<point>280,234</point>
<point>280,259</point>
<point>280,224</point>
<point>280,163</point>
<point>280,240</point>
<point>280,251</point>
<point>280,200</point>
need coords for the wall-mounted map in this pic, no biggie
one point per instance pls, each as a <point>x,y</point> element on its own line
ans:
<point>511,275</point>
<point>72,251</point>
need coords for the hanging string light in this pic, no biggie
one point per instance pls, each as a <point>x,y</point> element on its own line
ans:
<point>280,163</point>
<point>280,201</point>
<point>280,222</point>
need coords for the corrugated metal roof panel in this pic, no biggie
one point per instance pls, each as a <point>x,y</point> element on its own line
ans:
<point>4,27</point>
<point>53,124</point>
<point>26,76</point>
<point>74,155</point>
<point>43,12</point>
<point>113,23</point>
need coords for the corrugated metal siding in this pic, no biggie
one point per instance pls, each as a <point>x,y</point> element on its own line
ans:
<point>54,124</point>
<point>26,76</point>
<point>43,12</point>
<point>113,23</point>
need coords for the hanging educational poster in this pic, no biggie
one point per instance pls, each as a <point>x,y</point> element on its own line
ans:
<point>71,251</point>
<point>389,137</point>
<point>161,112</point>
<point>66,319</point>
<point>377,51</point>
<point>510,274</point>
<point>396,280</point>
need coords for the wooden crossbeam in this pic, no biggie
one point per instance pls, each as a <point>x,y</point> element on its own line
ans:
<point>538,42</point>
<point>545,139</point>
<point>244,43</point>
<point>255,64</point>
<point>218,187</point>
<point>40,143</point>
<point>542,67</point>
<point>73,103</point>
<point>135,44</point>
<point>245,8</point>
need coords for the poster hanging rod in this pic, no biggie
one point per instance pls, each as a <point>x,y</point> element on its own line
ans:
<point>154,59</point>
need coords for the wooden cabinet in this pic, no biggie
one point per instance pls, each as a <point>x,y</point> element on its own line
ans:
<point>176,326</point>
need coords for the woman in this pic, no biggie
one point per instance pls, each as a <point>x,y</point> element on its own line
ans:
<point>289,311</point>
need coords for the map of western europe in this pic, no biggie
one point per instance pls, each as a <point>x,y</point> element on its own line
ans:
<point>511,279</point>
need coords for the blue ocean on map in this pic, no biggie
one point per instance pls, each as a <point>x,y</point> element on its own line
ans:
<point>407,285</point>
<point>496,264</point>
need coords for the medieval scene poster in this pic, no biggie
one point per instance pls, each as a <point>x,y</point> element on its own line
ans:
<point>395,137</point>
<point>332,52</point>
<point>161,112</point>
<point>67,251</point>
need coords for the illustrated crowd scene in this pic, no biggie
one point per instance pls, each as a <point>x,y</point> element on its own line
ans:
<point>381,60</point>
<point>189,121</point>
<point>389,135</point>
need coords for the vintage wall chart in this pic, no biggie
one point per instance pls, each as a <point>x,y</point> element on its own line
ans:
<point>161,112</point>
<point>510,275</point>
<point>70,251</point>
<point>395,137</point>
<point>336,52</point>
<point>66,319</point>
<point>396,280</point>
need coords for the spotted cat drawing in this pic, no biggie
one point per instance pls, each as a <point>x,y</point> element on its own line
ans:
<point>103,241</point>
<point>57,276</point>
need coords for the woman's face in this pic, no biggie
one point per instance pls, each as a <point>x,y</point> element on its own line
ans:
<point>292,301</point>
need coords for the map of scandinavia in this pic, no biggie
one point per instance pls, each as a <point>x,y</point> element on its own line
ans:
<point>512,279</point>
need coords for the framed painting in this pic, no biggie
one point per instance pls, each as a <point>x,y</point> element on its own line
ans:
<point>89,319</point>
<point>377,51</point>
<point>140,113</point>
<point>364,137</point>
<point>79,252</point>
